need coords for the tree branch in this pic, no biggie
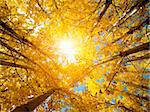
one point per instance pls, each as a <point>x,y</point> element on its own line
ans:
<point>4,63</point>
<point>144,46</point>
<point>129,12</point>
<point>12,49</point>
<point>103,11</point>
<point>146,56</point>
<point>133,29</point>
<point>25,41</point>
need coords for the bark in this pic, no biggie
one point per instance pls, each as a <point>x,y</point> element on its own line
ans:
<point>42,8</point>
<point>4,39</point>
<point>139,96</point>
<point>140,4</point>
<point>13,50</point>
<point>139,48</point>
<point>114,74</point>
<point>31,105</point>
<point>141,86</point>
<point>138,27</point>
<point>107,60</point>
<point>136,49</point>
<point>11,56</point>
<point>55,3</point>
<point>137,72</point>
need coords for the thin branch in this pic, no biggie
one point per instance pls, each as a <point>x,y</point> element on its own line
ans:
<point>55,3</point>
<point>41,6</point>
<point>103,11</point>
<point>131,30</point>
<point>114,75</point>
<point>129,12</point>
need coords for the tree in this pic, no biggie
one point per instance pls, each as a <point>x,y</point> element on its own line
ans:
<point>74,55</point>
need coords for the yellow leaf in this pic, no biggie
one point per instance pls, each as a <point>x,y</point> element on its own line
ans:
<point>92,86</point>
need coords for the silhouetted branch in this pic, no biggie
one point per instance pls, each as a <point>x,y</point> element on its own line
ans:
<point>25,41</point>
<point>13,50</point>
<point>13,34</point>
<point>4,63</point>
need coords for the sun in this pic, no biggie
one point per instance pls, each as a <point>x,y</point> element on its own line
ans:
<point>68,49</point>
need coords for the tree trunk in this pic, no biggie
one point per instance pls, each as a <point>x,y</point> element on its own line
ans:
<point>31,105</point>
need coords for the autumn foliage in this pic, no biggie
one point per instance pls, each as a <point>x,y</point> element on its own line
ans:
<point>74,55</point>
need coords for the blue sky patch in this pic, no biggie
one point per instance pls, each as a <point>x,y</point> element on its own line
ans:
<point>80,88</point>
<point>113,101</point>
<point>146,76</point>
<point>95,61</point>
<point>102,34</point>
<point>121,97</point>
<point>65,109</point>
<point>97,47</point>
<point>125,88</point>
<point>100,80</point>
<point>139,35</point>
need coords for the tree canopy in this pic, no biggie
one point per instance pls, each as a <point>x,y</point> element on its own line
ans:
<point>74,55</point>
